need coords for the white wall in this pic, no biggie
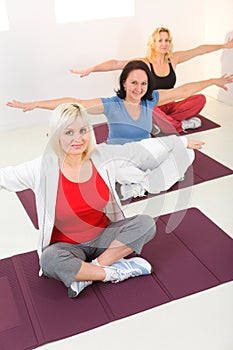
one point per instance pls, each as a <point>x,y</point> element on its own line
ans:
<point>218,27</point>
<point>37,53</point>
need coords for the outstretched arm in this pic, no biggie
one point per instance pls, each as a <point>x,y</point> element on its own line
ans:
<point>93,106</point>
<point>106,66</point>
<point>182,56</point>
<point>186,90</point>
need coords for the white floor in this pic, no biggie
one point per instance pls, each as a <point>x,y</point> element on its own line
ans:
<point>203,321</point>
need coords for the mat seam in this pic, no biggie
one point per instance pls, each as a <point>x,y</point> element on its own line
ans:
<point>29,303</point>
<point>163,287</point>
<point>207,268</point>
<point>175,234</point>
<point>107,309</point>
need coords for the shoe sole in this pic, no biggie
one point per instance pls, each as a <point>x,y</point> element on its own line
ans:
<point>71,293</point>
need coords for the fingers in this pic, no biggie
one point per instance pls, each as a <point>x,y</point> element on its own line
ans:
<point>230,42</point>
<point>228,77</point>
<point>18,104</point>
<point>74,71</point>
<point>199,145</point>
<point>13,103</point>
<point>225,79</point>
<point>195,144</point>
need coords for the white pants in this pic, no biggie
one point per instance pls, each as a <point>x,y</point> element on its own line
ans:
<point>161,162</point>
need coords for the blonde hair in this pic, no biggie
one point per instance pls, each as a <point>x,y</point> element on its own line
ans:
<point>150,44</point>
<point>64,115</point>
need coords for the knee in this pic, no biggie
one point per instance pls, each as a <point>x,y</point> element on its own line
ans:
<point>148,226</point>
<point>49,259</point>
<point>191,156</point>
<point>201,100</point>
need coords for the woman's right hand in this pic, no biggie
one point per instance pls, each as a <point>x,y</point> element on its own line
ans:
<point>25,106</point>
<point>228,44</point>
<point>82,73</point>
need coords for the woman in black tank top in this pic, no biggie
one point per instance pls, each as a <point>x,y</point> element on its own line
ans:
<point>178,116</point>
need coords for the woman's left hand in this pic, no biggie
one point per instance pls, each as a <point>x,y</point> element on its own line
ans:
<point>192,144</point>
<point>224,80</point>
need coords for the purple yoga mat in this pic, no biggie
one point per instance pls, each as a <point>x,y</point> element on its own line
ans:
<point>35,310</point>
<point>27,198</point>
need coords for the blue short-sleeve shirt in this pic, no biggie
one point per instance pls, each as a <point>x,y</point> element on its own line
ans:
<point>122,128</point>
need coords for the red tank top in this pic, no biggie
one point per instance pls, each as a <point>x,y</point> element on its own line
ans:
<point>79,215</point>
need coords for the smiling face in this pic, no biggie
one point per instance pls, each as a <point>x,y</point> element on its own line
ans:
<point>74,138</point>
<point>162,43</point>
<point>136,85</point>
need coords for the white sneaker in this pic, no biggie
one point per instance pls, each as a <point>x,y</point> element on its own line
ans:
<point>76,287</point>
<point>181,178</point>
<point>192,123</point>
<point>132,191</point>
<point>155,129</point>
<point>126,268</point>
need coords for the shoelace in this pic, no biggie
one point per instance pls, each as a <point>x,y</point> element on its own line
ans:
<point>122,275</point>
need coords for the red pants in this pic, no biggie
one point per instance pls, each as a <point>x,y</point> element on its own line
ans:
<point>169,116</point>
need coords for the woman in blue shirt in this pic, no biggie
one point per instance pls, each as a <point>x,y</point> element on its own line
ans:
<point>129,113</point>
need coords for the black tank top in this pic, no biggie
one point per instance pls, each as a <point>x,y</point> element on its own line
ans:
<point>166,82</point>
